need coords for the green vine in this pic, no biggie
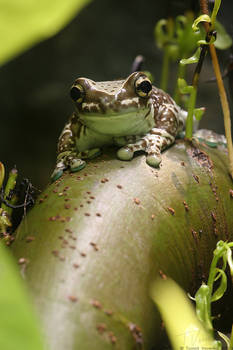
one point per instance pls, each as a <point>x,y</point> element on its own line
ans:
<point>178,39</point>
<point>206,295</point>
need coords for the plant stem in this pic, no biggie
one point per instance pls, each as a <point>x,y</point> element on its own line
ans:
<point>180,74</point>
<point>191,106</point>
<point>193,95</point>
<point>225,107</point>
<point>166,57</point>
<point>212,274</point>
<point>204,7</point>
<point>165,70</point>
<point>222,92</point>
<point>211,279</point>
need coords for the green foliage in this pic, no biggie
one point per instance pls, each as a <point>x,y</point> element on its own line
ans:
<point>177,36</point>
<point>205,295</point>
<point>200,19</point>
<point>184,330</point>
<point>184,87</point>
<point>223,40</point>
<point>192,59</point>
<point>203,300</point>
<point>198,57</point>
<point>18,324</point>
<point>26,22</point>
<point>172,301</point>
<point>177,39</point>
<point>228,341</point>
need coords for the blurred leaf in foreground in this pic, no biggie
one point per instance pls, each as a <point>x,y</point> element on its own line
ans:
<point>183,328</point>
<point>26,22</point>
<point>18,325</point>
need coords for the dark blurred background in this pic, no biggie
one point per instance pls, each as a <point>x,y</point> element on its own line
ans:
<point>100,43</point>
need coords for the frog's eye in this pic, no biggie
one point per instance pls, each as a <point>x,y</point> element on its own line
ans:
<point>77,93</point>
<point>143,86</point>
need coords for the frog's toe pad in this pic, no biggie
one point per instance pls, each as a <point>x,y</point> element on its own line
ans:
<point>76,165</point>
<point>56,174</point>
<point>153,160</point>
<point>125,153</point>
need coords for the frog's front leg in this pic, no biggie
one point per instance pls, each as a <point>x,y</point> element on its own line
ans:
<point>152,143</point>
<point>68,154</point>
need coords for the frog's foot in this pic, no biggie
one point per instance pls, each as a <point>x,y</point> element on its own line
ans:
<point>67,160</point>
<point>154,159</point>
<point>126,152</point>
<point>58,171</point>
<point>152,143</point>
<point>76,164</point>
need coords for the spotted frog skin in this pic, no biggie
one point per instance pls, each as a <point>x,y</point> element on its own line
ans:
<point>131,113</point>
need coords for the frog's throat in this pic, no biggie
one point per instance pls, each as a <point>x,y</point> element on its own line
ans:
<point>120,124</point>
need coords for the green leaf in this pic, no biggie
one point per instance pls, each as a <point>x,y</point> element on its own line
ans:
<point>202,298</point>
<point>198,113</point>
<point>173,51</point>
<point>226,339</point>
<point>229,260</point>
<point>18,324</point>
<point>183,327</point>
<point>192,59</point>
<point>204,42</point>
<point>181,21</point>
<point>202,18</point>
<point>223,41</point>
<point>161,36</point>
<point>222,288</point>
<point>217,4</point>
<point>184,87</point>
<point>24,23</point>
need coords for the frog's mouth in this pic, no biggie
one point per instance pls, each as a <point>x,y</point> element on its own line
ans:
<point>118,124</point>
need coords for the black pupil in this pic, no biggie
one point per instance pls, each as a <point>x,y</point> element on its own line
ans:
<point>145,86</point>
<point>75,93</point>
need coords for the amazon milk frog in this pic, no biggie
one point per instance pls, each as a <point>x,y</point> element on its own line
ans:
<point>130,113</point>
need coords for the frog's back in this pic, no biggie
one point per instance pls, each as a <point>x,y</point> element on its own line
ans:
<point>168,115</point>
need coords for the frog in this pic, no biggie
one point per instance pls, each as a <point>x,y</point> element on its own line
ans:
<point>130,113</point>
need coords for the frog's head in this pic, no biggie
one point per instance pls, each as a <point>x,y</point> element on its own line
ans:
<point>113,107</point>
